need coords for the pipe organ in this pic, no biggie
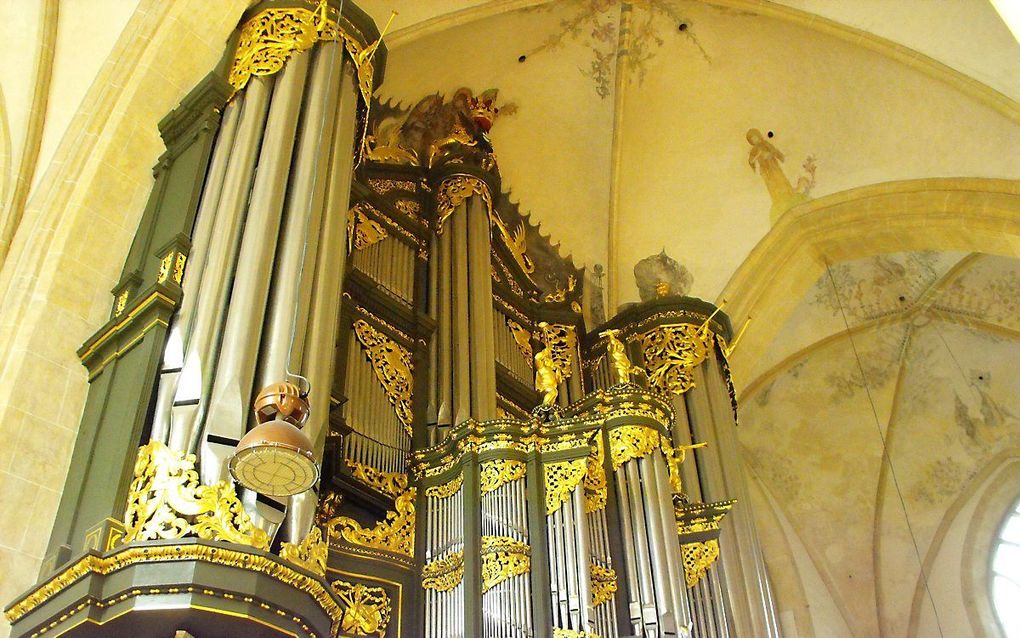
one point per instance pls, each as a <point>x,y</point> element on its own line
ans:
<point>492,465</point>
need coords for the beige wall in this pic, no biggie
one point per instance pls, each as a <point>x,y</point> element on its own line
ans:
<point>77,226</point>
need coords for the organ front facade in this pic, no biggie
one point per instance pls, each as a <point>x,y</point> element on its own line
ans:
<point>448,438</point>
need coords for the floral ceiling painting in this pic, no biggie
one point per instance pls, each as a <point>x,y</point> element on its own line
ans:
<point>619,33</point>
<point>903,370</point>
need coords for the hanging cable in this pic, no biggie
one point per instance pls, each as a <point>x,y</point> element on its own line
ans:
<point>885,451</point>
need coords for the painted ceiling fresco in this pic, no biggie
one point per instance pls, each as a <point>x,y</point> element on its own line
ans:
<point>891,388</point>
<point>696,136</point>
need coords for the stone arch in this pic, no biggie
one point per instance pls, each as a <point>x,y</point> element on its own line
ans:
<point>962,214</point>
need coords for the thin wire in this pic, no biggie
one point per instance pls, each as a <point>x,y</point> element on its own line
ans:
<point>885,450</point>
<point>311,201</point>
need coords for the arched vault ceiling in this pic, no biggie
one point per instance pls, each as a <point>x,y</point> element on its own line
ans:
<point>890,388</point>
<point>621,156</point>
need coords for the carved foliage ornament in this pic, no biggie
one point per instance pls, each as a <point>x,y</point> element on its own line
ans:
<point>447,489</point>
<point>455,189</point>
<point>394,534</point>
<point>443,574</point>
<point>523,340</point>
<point>391,484</point>
<point>166,501</point>
<point>362,232</point>
<point>392,364</point>
<point>562,341</point>
<point>595,479</point>
<point>698,557</point>
<point>497,473</point>
<point>311,553</point>
<point>366,611</point>
<point>502,558</point>
<point>603,584</point>
<point>672,352</point>
<point>561,478</point>
<point>632,442</point>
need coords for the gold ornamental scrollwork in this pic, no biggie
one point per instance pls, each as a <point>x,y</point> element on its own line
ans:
<point>562,341</point>
<point>672,352</point>
<point>393,369</point>
<point>572,633</point>
<point>632,442</point>
<point>595,483</point>
<point>362,231</point>
<point>443,574</point>
<point>311,553</point>
<point>497,473</point>
<point>698,557</point>
<point>503,558</point>
<point>561,478</point>
<point>393,534</point>
<point>453,191</point>
<point>447,489</point>
<point>523,340</point>
<point>167,501</point>
<point>603,584</point>
<point>391,484</point>
<point>366,610</point>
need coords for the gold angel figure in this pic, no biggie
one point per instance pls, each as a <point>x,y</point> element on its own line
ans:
<point>618,356</point>
<point>547,377</point>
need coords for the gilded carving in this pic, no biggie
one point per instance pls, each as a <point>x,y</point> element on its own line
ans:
<point>672,352</point>
<point>603,584</point>
<point>562,341</point>
<point>362,231</point>
<point>179,263</point>
<point>443,574</point>
<point>595,484</point>
<point>632,442</point>
<point>561,478</point>
<point>445,490</point>
<point>391,484</point>
<point>164,267</point>
<point>311,553</point>
<point>166,501</point>
<point>270,38</point>
<point>393,534</point>
<point>383,186</point>
<point>675,456</point>
<point>502,558</point>
<point>618,357</point>
<point>392,364</point>
<point>572,633</point>
<point>547,377</point>
<point>367,609</point>
<point>495,474</point>
<point>118,309</point>
<point>698,557</point>
<point>217,555</point>
<point>522,338</point>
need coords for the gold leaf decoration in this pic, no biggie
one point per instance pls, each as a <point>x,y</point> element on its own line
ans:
<point>166,501</point>
<point>391,484</point>
<point>671,353</point>
<point>443,574</point>
<point>698,557</point>
<point>394,534</point>
<point>362,231</point>
<point>523,340</point>
<point>562,340</point>
<point>453,191</point>
<point>595,479</point>
<point>495,474</point>
<point>447,489</point>
<point>366,611</point>
<point>502,558</point>
<point>632,442</point>
<point>311,553</point>
<point>603,584</point>
<point>269,39</point>
<point>561,478</point>
<point>392,364</point>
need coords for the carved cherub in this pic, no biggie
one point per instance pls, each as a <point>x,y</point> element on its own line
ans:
<point>618,356</point>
